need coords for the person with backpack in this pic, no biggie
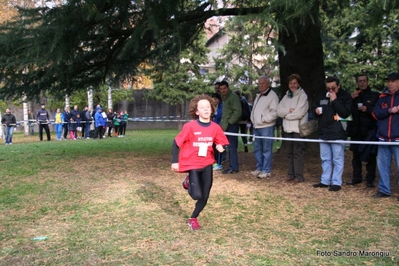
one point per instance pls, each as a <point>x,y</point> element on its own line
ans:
<point>245,116</point>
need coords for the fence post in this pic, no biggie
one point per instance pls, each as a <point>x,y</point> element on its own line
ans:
<point>25,115</point>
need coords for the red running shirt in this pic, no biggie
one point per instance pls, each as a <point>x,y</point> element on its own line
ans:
<point>193,136</point>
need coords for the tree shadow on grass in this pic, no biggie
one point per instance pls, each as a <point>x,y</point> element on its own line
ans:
<point>152,193</point>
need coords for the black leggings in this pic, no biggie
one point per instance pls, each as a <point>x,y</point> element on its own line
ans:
<point>200,186</point>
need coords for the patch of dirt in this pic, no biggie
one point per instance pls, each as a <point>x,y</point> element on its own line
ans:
<point>312,172</point>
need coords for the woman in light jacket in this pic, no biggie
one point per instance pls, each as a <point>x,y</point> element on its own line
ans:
<point>293,109</point>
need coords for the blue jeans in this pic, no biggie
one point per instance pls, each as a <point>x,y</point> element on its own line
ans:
<point>58,130</point>
<point>384,159</point>
<point>87,128</point>
<point>8,134</point>
<point>233,144</point>
<point>31,128</point>
<point>263,148</point>
<point>332,161</point>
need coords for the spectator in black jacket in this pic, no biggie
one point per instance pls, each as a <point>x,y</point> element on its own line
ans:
<point>9,122</point>
<point>67,117</point>
<point>110,121</point>
<point>74,114</point>
<point>245,117</point>
<point>75,111</point>
<point>83,121</point>
<point>363,128</point>
<point>330,107</point>
<point>43,119</point>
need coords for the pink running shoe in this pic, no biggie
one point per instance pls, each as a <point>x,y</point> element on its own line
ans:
<point>193,223</point>
<point>186,182</point>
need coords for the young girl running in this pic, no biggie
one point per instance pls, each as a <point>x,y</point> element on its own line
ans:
<point>196,153</point>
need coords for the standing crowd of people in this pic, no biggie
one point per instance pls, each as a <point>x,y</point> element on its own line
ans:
<point>363,115</point>
<point>75,123</point>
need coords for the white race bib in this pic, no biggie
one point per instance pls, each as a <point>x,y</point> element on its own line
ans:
<point>203,149</point>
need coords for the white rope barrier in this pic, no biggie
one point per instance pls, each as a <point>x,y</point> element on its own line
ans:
<point>315,140</point>
<point>132,119</point>
<point>175,119</point>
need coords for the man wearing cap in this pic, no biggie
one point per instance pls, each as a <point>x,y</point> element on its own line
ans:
<point>43,119</point>
<point>363,128</point>
<point>100,123</point>
<point>386,111</point>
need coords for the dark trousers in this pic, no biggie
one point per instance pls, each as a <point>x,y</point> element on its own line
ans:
<point>117,130</point>
<point>124,129</point>
<point>251,132</point>
<point>46,128</point>
<point>244,130</point>
<point>66,131</point>
<point>296,153</point>
<point>109,131</point>
<point>232,147</point>
<point>83,129</point>
<point>87,129</point>
<point>357,166</point>
<point>99,132</point>
<point>200,186</point>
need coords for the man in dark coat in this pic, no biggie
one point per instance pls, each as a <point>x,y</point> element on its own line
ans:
<point>330,108</point>
<point>363,128</point>
<point>43,119</point>
<point>9,122</point>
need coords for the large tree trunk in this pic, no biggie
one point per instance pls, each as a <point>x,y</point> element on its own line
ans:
<point>303,55</point>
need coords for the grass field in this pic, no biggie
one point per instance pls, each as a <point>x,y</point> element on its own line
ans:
<point>116,202</point>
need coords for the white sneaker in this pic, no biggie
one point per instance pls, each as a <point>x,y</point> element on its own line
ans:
<point>264,175</point>
<point>255,173</point>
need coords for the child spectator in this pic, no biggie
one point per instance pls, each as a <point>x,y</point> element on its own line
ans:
<point>125,117</point>
<point>71,128</point>
<point>58,122</point>
<point>117,124</point>
<point>78,126</point>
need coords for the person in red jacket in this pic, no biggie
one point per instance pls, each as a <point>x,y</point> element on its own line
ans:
<point>196,155</point>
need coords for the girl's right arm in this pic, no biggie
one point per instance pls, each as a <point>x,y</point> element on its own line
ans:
<point>175,155</point>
